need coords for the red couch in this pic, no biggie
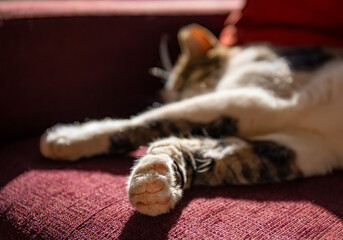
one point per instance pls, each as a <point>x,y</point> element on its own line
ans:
<point>62,63</point>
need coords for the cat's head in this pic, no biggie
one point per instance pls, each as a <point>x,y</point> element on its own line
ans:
<point>199,67</point>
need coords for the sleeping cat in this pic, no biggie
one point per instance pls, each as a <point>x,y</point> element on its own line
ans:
<point>239,115</point>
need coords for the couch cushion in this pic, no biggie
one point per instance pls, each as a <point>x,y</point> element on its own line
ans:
<point>87,199</point>
<point>287,23</point>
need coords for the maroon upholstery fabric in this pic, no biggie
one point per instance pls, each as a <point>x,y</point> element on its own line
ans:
<point>287,23</point>
<point>87,200</point>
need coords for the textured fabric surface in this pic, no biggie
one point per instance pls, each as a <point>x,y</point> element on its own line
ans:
<point>288,23</point>
<point>87,200</point>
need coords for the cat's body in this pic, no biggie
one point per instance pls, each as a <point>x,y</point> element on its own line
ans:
<point>243,115</point>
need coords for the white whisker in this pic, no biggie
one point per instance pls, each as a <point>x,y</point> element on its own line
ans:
<point>164,54</point>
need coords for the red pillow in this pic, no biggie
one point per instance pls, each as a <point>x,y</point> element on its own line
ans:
<point>290,23</point>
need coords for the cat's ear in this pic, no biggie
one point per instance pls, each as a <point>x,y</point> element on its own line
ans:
<point>196,40</point>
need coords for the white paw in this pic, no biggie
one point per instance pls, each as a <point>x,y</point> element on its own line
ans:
<point>152,189</point>
<point>74,141</point>
<point>61,142</point>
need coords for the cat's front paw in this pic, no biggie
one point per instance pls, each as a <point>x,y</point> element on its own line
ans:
<point>152,185</point>
<point>61,142</point>
<point>74,141</point>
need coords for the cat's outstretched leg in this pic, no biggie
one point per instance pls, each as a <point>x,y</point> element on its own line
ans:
<point>73,141</point>
<point>171,165</point>
<point>247,112</point>
<point>158,179</point>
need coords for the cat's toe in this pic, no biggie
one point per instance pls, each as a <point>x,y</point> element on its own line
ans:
<point>45,147</point>
<point>151,186</point>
